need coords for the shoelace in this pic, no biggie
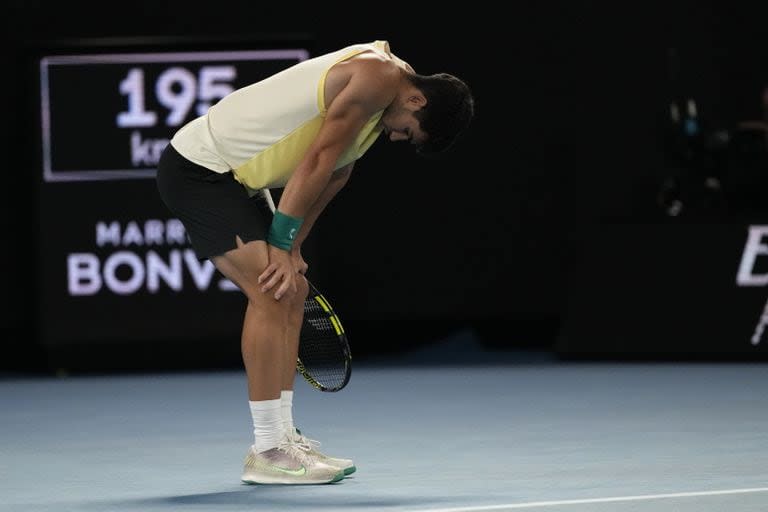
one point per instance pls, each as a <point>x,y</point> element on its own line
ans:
<point>303,440</point>
<point>298,451</point>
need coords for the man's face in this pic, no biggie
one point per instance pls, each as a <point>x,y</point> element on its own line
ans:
<point>402,125</point>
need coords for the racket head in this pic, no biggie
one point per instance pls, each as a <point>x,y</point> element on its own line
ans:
<point>325,358</point>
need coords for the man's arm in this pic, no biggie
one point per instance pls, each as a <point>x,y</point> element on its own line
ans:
<point>371,87</point>
<point>338,179</point>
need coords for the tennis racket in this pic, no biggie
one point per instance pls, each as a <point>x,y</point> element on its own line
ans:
<point>325,360</point>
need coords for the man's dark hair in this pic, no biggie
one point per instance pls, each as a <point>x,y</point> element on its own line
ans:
<point>450,108</point>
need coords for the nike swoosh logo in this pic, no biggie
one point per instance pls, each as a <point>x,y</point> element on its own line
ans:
<point>293,472</point>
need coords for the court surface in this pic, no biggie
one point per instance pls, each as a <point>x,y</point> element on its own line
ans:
<point>535,435</point>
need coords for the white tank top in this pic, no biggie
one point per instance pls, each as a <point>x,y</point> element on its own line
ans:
<point>262,131</point>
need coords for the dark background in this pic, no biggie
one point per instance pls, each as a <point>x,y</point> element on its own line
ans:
<point>547,229</point>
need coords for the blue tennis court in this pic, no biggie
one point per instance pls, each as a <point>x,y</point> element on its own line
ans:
<point>518,434</point>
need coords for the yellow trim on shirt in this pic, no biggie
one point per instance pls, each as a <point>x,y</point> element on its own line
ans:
<point>273,166</point>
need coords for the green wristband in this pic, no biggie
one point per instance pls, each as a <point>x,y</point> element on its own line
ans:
<point>283,230</point>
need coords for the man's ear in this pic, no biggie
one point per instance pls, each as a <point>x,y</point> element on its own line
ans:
<point>417,101</point>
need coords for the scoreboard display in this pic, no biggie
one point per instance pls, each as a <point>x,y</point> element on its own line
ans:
<point>109,116</point>
<point>114,265</point>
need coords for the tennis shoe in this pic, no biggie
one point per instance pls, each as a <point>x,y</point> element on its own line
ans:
<point>289,463</point>
<point>312,447</point>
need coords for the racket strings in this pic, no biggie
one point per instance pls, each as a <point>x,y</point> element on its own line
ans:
<point>320,350</point>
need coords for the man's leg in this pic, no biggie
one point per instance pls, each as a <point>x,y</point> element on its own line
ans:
<point>295,319</point>
<point>264,323</point>
<point>292,333</point>
<point>272,458</point>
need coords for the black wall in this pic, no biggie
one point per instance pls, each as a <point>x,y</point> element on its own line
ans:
<point>569,136</point>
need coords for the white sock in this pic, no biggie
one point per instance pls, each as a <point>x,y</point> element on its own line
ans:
<point>286,407</point>
<point>267,424</point>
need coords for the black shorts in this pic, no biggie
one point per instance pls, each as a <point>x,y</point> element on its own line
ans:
<point>214,207</point>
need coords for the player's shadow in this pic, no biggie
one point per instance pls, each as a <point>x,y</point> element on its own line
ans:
<point>275,497</point>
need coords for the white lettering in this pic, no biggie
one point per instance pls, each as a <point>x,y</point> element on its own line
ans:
<point>153,232</point>
<point>133,283</point>
<point>758,334</point>
<point>201,273</point>
<point>86,276</point>
<point>753,248</point>
<point>146,152</point>
<point>107,234</point>
<point>132,234</point>
<point>175,89</point>
<point>210,89</point>
<point>136,115</point>
<point>171,273</point>
<point>226,285</point>
<point>83,276</point>
<point>175,232</point>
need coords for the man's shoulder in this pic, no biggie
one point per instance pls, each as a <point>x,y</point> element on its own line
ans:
<point>376,69</point>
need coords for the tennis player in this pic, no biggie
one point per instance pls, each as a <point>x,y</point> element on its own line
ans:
<point>302,130</point>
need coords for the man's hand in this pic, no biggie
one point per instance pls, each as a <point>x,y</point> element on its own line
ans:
<point>298,260</point>
<point>280,272</point>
